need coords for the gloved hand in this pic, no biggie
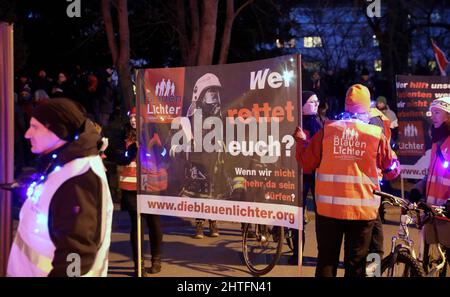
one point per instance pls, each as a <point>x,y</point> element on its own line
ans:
<point>415,195</point>
<point>393,171</point>
<point>105,143</point>
<point>299,135</point>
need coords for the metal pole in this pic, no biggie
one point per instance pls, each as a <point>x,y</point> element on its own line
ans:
<point>139,87</point>
<point>402,186</point>
<point>301,211</point>
<point>6,139</point>
<point>139,242</point>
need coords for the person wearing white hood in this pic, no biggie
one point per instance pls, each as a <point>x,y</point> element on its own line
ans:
<point>311,123</point>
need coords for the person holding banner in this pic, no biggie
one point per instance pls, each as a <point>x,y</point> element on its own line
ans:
<point>65,224</point>
<point>346,155</point>
<point>311,124</point>
<point>435,187</point>
<point>128,186</point>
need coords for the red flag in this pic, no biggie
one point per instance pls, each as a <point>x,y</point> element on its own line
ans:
<point>440,58</point>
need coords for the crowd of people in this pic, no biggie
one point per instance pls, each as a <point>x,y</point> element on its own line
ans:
<point>66,136</point>
<point>94,90</point>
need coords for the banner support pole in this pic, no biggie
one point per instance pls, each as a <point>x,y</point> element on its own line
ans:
<point>139,252</point>
<point>302,210</point>
<point>402,186</point>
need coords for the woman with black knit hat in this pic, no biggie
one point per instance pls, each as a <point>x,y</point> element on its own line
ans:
<point>65,224</point>
<point>311,123</point>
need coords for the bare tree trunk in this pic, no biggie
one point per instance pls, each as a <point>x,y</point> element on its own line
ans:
<point>198,47</point>
<point>226,37</point>
<point>195,32</point>
<point>106,12</point>
<point>120,52</point>
<point>188,46</point>
<point>228,26</point>
<point>208,32</point>
<point>123,67</point>
<point>182,32</point>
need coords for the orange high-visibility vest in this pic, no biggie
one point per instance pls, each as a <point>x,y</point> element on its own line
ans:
<point>348,174</point>
<point>155,180</point>
<point>438,181</point>
<point>154,177</point>
<point>127,178</point>
<point>375,112</point>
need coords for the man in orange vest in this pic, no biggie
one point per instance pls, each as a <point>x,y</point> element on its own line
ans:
<point>347,156</point>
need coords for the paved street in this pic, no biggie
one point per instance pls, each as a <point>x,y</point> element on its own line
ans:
<point>216,257</point>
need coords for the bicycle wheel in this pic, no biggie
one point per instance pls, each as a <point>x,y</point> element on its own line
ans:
<point>262,251</point>
<point>401,264</point>
<point>433,262</point>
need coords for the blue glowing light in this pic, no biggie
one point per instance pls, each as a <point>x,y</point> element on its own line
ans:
<point>54,156</point>
<point>445,165</point>
<point>126,154</point>
<point>30,189</point>
<point>57,168</point>
<point>164,152</point>
<point>42,177</point>
<point>76,137</point>
<point>148,154</point>
<point>41,218</point>
<point>393,166</point>
<point>288,75</point>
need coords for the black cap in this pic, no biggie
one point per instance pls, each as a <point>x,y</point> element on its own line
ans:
<point>62,116</point>
<point>306,95</point>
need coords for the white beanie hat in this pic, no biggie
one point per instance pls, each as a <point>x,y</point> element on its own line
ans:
<point>441,103</point>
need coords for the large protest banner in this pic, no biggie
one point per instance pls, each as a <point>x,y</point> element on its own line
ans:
<point>215,141</point>
<point>414,96</point>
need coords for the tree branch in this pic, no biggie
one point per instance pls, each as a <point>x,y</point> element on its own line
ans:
<point>124,33</point>
<point>106,12</point>
<point>195,32</point>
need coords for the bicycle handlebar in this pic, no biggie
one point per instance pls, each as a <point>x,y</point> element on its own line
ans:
<point>404,203</point>
<point>394,199</point>
<point>386,195</point>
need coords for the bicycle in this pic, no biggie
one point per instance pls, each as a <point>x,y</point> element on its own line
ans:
<point>262,246</point>
<point>402,259</point>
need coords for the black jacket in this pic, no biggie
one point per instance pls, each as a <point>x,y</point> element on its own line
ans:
<point>75,209</point>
